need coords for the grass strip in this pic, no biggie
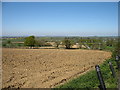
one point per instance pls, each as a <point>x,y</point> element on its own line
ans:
<point>90,80</point>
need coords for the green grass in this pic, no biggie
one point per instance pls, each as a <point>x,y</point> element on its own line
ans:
<point>90,80</point>
<point>6,44</point>
<point>14,40</point>
<point>109,48</point>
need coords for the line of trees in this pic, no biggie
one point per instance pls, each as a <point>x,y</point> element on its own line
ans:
<point>68,42</point>
<point>31,42</point>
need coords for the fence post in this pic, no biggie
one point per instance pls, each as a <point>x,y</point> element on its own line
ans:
<point>102,84</point>
<point>112,69</point>
<point>118,63</point>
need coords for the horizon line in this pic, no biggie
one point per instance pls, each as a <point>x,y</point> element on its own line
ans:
<point>59,0</point>
<point>62,36</point>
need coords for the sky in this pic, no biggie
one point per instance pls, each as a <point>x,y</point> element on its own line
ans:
<point>60,18</point>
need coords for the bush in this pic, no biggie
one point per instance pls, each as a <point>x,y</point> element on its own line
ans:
<point>67,42</point>
<point>30,41</point>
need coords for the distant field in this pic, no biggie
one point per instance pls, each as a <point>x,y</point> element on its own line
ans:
<point>44,68</point>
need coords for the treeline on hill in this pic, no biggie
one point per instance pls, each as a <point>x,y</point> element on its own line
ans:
<point>100,43</point>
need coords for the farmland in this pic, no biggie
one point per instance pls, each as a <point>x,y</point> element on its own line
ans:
<point>44,68</point>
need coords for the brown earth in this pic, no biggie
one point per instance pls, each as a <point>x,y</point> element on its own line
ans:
<point>44,68</point>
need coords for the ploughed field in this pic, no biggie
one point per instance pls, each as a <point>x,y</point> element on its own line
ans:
<point>46,68</point>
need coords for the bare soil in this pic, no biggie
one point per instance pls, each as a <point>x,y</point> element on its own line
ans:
<point>46,68</point>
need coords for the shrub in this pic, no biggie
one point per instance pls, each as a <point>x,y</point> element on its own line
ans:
<point>30,41</point>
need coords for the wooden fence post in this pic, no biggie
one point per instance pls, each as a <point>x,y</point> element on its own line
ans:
<point>102,84</point>
<point>112,69</point>
<point>118,63</point>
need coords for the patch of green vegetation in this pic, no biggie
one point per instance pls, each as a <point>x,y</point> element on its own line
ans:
<point>109,48</point>
<point>93,43</point>
<point>90,80</point>
<point>9,42</point>
<point>14,39</point>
